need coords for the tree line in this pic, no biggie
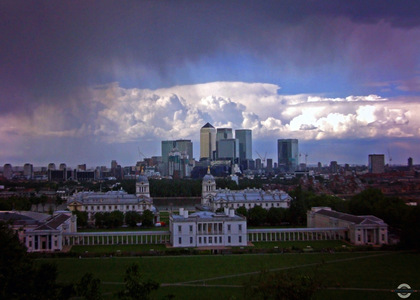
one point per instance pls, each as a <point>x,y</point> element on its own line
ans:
<point>116,219</point>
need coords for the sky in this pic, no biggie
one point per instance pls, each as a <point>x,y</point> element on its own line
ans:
<point>93,81</point>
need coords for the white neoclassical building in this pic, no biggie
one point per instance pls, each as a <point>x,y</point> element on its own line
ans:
<point>41,232</point>
<point>93,202</point>
<point>207,229</point>
<point>362,230</point>
<point>248,198</point>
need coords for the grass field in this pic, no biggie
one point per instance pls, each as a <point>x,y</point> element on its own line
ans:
<point>222,277</point>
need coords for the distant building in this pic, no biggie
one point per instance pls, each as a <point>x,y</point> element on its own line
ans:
<point>40,232</point>
<point>269,164</point>
<point>361,230</point>
<point>228,149</point>
<point>94,202</point>
<point>288,154</point>
<point>223,134</point>
<point>333,167</point>
<point>178,164</point>
<point>63,166</point>
<point>51,166</point>
<point>207,229</point>
<point>185,147</point>
<point>244,136</point>
<point>376,163</point>
<point>410,163</point>
<point>258,164</point>
<point>28,171</point>
<point>207,142</point>
<point>248,198</point>
<point>7,171</point>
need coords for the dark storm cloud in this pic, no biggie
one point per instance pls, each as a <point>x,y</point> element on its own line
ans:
<point>49,48</point>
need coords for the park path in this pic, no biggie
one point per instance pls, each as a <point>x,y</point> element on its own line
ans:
<point>203,282</point>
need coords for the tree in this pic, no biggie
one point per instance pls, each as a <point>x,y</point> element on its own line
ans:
<point>147,218</point>
<point>281,286</point>
<point>135,286</point>
<point>297,210</point>
<point>257,216</point>
<point>89,287</point>
<point>132,218</point>
<point>99,219</point>
<point>19,278</point>
<point>275,215</point>
<point>82,218</point>
<point>242,211</point>
<point>116,219</point>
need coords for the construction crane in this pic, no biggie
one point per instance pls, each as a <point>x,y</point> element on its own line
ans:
<point>389,157</point>
<point>141,153</point>
<point>262,158</point>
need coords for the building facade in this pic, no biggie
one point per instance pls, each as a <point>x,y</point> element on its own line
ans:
<point>376,163</point>
<point>244,137</point>
<point>94,202</point>
<point>41,232</point>
<point>361,230</point>
<point>288,154</point>
<point>207,229</point>
<point>224,198</point>
<point>207,141</point>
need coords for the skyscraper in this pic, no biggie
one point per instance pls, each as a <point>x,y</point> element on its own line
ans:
<point>207,141</point>
<point>228,149</point>
<point>288,154</point>
<point>223,134</point>
<point>244,136</point>
<point>376,163</point>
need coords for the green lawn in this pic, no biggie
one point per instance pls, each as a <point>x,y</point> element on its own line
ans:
<point>381,270</point>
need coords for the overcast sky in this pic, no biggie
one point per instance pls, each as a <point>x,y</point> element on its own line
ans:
<point>92,81</point>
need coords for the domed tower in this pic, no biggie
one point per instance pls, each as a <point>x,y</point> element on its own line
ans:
<point>208,188</point>
<point>142,186</point>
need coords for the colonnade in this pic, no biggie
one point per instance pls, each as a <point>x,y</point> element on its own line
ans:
<point>296,234</point>
<point>116,238</point>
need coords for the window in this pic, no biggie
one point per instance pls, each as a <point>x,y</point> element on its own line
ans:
<point>240,239</point>
<point>180,240</point>
<point>191,240</point>
<point>228,227</point>
<point>240,227</point>
<point>128,207</point>
<point>358,238</point>
<point>383,237</point>
<point>179,228</point>
<point>229,239</point>
<point>191,228</point>
<point>98,207</point>
<point>205,240</point>
<point>199,240</point>
<point>220,239</point>
<point>210,240</point>
<point>115,207</point>
<point>199,227</point>
<point>30,244</point>
<point>55,243</point>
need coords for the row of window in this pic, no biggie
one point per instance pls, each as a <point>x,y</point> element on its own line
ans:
<point>210,227</point>
<point>104,207</point>
<point>211,240</point>
<point>249,205</point>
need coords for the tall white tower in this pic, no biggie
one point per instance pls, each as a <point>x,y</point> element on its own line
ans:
<point>142,186</point>
<point>208,188</point>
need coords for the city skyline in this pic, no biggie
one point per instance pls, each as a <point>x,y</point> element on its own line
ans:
<point>91,87</point>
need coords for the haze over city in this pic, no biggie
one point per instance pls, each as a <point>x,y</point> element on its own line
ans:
<point>90,82</point>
